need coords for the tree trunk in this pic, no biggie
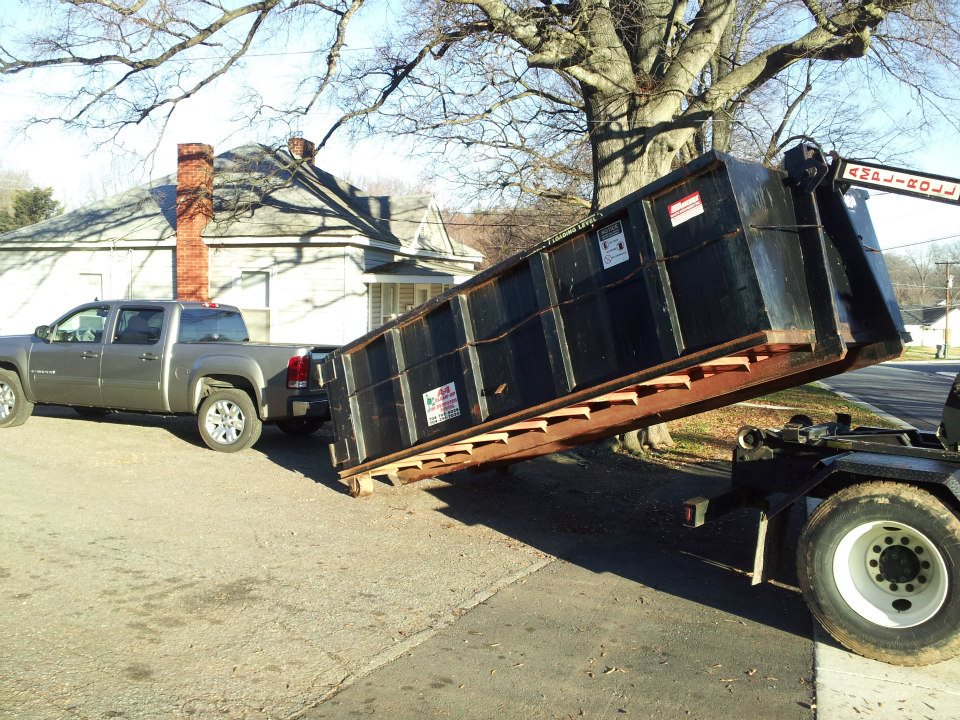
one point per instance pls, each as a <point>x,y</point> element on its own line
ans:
<point>624,159</point>
<point>656,437</point>
<point>623,162</point>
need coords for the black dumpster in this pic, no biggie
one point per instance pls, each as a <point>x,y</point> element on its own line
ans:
<point>721,258</point>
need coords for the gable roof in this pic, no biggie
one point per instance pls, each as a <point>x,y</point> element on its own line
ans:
<point>259,192</point>
<point>920,315</point>
<point>144,214</point>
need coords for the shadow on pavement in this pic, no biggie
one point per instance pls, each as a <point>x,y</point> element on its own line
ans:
<point>619,515</point>
<point>305,455</point>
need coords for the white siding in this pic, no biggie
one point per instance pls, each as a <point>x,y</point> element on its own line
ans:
<point>376,300</point>
<point>37,286</point>
<point>315,293</point>
<point>406,293</point>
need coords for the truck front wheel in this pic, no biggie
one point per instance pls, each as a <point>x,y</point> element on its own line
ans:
<point>879,566</point>
<point>228,421</point>
<point>14,406</point>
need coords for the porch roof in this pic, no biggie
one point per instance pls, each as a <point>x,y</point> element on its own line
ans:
<point>417,271</point>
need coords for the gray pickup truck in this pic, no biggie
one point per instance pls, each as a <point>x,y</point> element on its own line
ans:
<point>164,357</point>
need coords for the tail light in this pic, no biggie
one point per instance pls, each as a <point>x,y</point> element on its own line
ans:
<point>298,372</point>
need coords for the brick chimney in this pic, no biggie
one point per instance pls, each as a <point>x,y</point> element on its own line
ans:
<point>302,149</point>
<point>194,211</point>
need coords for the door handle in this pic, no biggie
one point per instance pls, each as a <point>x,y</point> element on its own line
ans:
<point>148,356</point>
<point>89,355</point>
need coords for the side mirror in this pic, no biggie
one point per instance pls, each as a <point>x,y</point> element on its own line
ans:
<point>42,332</point>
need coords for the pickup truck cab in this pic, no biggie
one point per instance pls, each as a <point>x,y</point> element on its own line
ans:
<point>167,357</point>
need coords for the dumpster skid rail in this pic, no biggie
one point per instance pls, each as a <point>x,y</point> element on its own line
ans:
<point>721,282</point>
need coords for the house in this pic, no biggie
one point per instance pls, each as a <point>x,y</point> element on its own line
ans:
<point>927,325</point>
<point>308,257</point>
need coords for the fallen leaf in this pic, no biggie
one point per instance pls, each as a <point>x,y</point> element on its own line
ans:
<point>613,670</point>
<point>752,672</point>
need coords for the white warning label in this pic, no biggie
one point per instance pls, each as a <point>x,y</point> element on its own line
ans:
<point>685,209</point>
<point>441,404</point>
<point>613,245</point>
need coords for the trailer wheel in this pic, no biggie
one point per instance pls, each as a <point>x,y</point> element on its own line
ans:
<point>228,421</point>
<point>879,566</point>
<point>14,406</point>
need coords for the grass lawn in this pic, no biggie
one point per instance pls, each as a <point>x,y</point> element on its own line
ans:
<point>710,436</point>
<point>915,352</point>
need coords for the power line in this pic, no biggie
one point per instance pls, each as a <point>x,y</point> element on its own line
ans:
<point>954,236</point>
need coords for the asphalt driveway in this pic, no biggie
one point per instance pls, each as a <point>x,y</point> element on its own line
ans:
<point>143,575</point>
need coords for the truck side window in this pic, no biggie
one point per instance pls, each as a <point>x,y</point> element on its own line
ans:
<point>138,326</point>
<point>199,325</point>
<point>85,326</point>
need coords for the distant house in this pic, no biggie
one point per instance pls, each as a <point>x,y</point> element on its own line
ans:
<point>926,325</point>
<point>308,257</point>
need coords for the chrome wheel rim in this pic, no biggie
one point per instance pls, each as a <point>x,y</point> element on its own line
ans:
<point>224,422</point>
<point>7,401</point>
<point>890,574</point>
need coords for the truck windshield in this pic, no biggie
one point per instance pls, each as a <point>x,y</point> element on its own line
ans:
<point>199,325</point>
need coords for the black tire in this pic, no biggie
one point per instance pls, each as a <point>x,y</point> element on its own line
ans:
<point>90,412</point>
<point>228,421</point>
<point>879,567</point>
<point>14,406</point>
<point>300,426</point>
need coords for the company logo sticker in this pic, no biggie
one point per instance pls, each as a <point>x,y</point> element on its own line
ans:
<point>441,404</point>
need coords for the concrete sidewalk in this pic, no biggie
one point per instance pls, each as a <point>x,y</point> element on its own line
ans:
<point>850,687</point>
<point>568,642</point>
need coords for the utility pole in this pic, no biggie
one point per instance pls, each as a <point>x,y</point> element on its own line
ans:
<point>947,284</point>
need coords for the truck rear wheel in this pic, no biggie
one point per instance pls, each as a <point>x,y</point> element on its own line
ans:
<point>879,567</point>
<point>228,421</point>
<point>14,406</point>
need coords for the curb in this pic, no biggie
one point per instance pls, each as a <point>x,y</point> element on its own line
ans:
<point>867,406</point>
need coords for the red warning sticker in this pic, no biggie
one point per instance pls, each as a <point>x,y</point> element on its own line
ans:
<point>685,208</point>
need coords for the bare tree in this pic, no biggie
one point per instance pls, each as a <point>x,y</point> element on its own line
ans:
<point>601,95</point>
<point>12,181</point>
<point>916,279</point>
<point>501,232</point>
